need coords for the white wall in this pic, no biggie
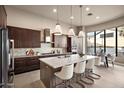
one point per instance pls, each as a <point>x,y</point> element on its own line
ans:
<point>20,18</point>
<point>106,25</point>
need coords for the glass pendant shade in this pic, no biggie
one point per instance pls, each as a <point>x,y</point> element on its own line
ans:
<point>81,34</point>
<point>71,32</point>
<point>58,30</point>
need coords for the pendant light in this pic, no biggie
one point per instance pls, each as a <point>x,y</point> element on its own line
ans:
<point>81,32</point>
<point>71,30</point>
<point>58,30</point>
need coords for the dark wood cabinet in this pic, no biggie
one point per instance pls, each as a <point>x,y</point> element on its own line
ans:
<point>19,65</point>
<point>26,64</point>
<point>69,44</point>
<point>3,17</point>
<point>24,38</point>
<point>53,40</point>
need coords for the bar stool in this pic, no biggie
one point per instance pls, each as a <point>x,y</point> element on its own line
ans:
<point>89,69</point>
<point>65,74</point>
<point>79,70</point>
<point>97,61</point>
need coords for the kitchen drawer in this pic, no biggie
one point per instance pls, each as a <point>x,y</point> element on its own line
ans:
<point>19,64</point>
<point>26,64</point>
<point>32,62</point>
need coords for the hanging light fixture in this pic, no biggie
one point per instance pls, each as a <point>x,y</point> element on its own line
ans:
<point>71,30</point>
<point>58,30</point>
<point>81,32</point>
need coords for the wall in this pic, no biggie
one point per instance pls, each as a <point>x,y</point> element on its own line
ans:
<point>106,25</point>
<point>20,18</point>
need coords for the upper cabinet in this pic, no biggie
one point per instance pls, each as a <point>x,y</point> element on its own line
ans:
<point>60,41</point>
<point>3,17</point>
<point>24,38</point>
<point>45,36</point>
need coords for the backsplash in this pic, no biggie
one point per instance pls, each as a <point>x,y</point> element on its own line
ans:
<point>45,48</point>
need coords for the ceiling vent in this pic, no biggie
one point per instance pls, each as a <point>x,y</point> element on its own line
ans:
<point>89,14</point>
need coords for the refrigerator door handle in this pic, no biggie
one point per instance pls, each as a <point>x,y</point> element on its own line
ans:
<point>12,41</point>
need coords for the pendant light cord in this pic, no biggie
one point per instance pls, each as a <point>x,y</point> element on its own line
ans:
<point>82,19</point>
<point>81,15</point>
<point>57,14</point>
<point>83,26</point>
<point>71,15</point>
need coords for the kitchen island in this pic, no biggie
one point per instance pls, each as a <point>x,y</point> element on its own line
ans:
<point>25,63</point>
<point>48,66</point>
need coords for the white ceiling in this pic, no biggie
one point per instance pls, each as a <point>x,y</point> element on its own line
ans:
<point>106,12</point>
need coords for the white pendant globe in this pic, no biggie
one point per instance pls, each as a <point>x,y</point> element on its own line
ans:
<point>81,34</point>
<point>71,32</point>
<point>58,30</point>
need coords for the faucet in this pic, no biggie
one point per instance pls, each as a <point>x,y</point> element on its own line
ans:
<point>58,51</point>
<point>53,51</point>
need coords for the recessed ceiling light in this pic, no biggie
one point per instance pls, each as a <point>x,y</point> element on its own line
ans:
<point>54,10</point>
<point>72,17</point>
<point>87,9</point>
<point>97,17</point>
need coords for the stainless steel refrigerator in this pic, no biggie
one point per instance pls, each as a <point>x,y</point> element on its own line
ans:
<point>6,60</point>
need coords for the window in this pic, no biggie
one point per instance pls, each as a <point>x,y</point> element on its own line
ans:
<point>110,41</point>
<point>99,40</point>
<point>120,44</point>
<point>90,43</point>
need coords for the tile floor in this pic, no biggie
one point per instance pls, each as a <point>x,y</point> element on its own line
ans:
<point>111,78</point>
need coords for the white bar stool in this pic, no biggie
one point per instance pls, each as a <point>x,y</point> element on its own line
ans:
<point>97,61</point>
<point>65,74</point>
<point>79,70</point>
<point>89,69</point>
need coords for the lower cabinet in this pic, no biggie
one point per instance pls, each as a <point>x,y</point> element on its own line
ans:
<point>26,64</point>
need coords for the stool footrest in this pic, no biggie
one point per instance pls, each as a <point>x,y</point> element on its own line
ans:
<point>94,76</point>
<point>89,81</point>
<point>80,83</point>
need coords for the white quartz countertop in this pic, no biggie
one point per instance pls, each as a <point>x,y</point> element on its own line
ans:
<point>56,62</point>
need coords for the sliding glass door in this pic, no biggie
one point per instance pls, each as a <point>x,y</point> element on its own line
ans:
<point>110,38</point>
<point>120,41</point>
<point>99,40</point>
<point>90,43</point>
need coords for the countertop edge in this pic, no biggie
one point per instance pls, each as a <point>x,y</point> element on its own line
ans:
<point>40,56</point>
